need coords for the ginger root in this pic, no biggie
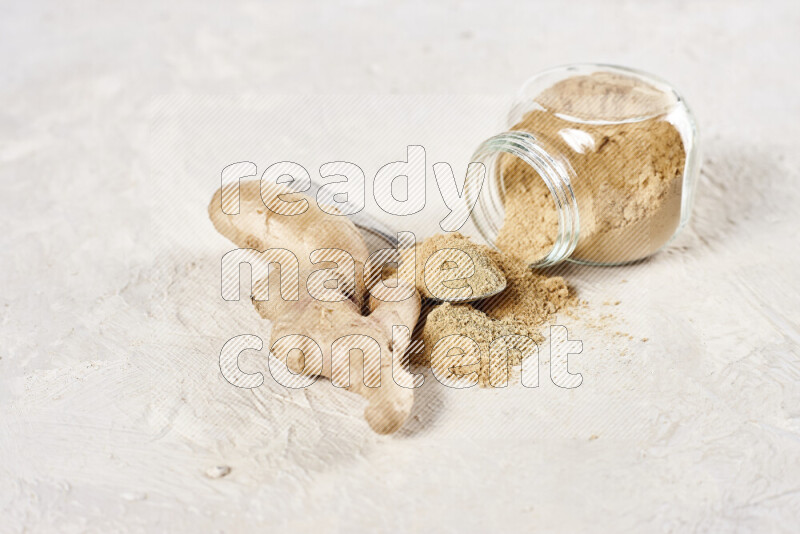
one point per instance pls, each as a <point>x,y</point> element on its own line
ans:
<point>256,227</point>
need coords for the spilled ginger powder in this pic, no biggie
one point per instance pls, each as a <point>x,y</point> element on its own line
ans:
<point>431,268</point>
<point>529,300</point>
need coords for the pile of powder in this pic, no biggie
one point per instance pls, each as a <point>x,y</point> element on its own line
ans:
<point>530,297</point>
<point>486,279</point>
<point>529,301</point>
<point>628,175</point>
<point>462,319</point>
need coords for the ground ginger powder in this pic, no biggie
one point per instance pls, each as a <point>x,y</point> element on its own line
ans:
<point>529,300</point>
<point>626,164</point>
<point>487,277</point>
<point>628,174</point>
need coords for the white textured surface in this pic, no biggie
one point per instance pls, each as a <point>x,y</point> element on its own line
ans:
<point>113,416</point>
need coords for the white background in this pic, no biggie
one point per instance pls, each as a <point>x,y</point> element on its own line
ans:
<point>112,409</point>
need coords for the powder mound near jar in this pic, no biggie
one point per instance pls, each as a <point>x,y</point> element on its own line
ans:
<point>530,297</point>
<point>530,300</point>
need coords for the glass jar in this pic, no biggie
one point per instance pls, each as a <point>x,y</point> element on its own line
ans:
<point>599,166</point>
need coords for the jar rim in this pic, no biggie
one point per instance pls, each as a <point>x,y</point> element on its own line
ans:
<point>556,176</point>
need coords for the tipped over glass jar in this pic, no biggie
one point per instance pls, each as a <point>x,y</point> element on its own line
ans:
<point>599,166</point>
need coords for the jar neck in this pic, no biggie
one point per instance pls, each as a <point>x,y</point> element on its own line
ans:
<point>489,211</point>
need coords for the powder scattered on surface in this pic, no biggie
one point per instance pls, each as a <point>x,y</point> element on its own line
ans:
<point>628,176</point>
<point>487,278</point>
<point>529,301</point>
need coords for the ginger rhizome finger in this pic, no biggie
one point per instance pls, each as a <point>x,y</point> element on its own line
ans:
<point>358,351</point>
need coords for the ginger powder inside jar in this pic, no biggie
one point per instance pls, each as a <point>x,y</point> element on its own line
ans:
<point>598,167</point>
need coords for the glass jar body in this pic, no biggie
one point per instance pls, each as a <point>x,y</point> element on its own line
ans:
<point>599,166</point>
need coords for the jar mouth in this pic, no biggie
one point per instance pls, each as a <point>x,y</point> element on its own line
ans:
<point>488,196</point>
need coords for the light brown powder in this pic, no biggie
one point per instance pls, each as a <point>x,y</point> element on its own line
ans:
<point>628,175</point>
<point>530,297</point>
<point>529,301</point>
<point>464,320</point>
<point>530,226</point>
<point>487,277</point>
